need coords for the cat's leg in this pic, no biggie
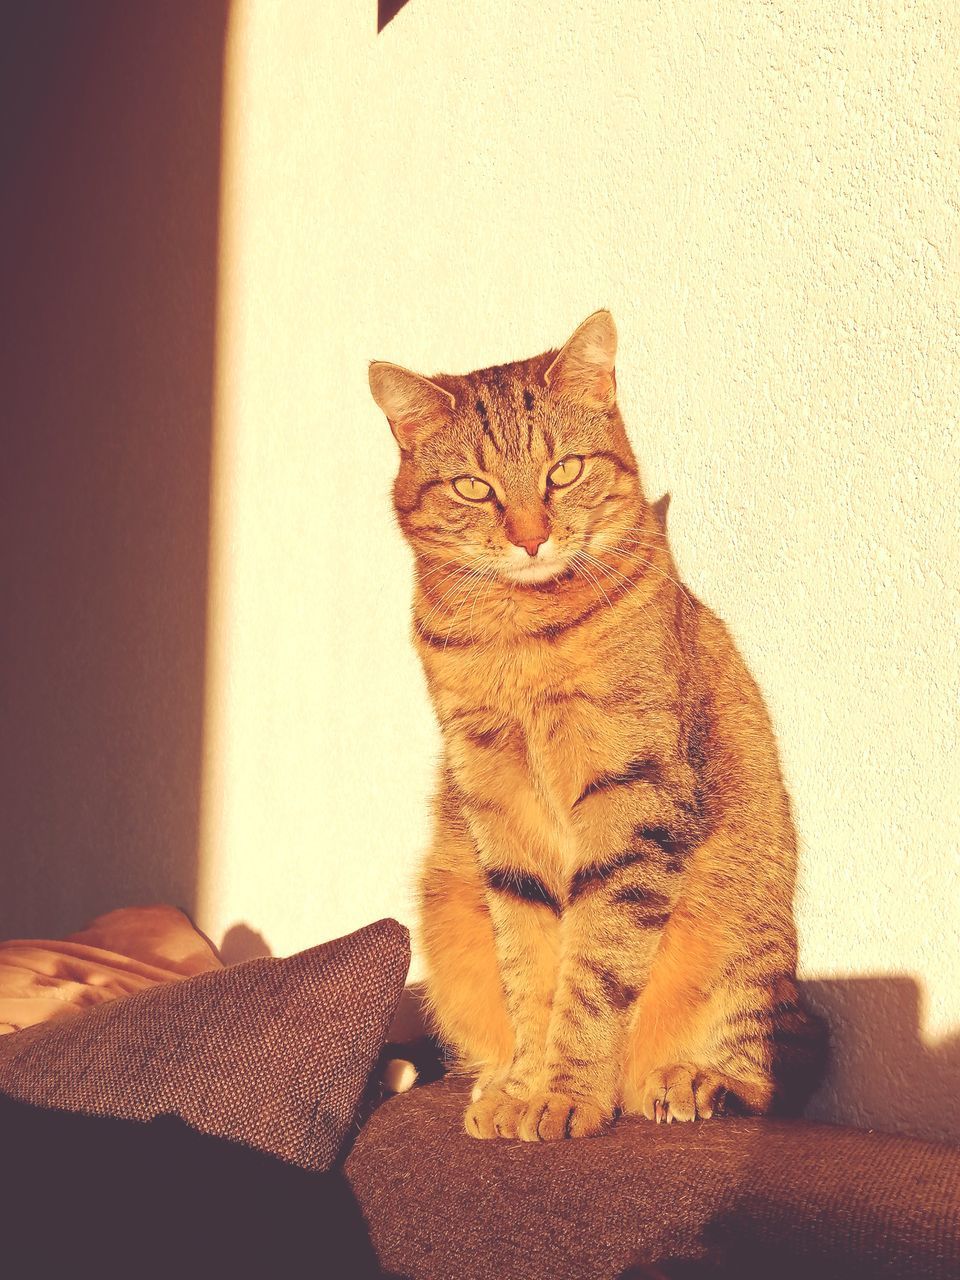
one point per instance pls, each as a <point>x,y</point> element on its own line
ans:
<point>490,922</point>
<point>521,937</point>
<point>525,932</point>
<point>720,1027</point>
<point>600,976</point>
<point>767,1058</point>
<point>464,991</point>
<point>631,835</point>
<point>761,1052</point>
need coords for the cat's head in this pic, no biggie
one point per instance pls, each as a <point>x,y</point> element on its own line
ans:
<point>523,470</point>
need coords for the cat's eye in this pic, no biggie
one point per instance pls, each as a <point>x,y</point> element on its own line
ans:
<point>472,488</point>
<point>565,472</point>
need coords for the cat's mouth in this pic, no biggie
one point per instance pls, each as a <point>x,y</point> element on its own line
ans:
<point>532,571</point>
<point>551,563</point>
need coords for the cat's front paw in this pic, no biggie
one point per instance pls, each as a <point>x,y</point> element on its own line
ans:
<point>681,1092</point>
<point>493,1114</point>
<point>548,1116</point>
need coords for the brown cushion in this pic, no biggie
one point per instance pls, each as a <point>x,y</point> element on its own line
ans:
<point>271,1053</point>
<point>760,1197</point>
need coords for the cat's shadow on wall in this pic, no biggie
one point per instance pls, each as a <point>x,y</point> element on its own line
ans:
<point>241,942</point>
<point>883,1073</point>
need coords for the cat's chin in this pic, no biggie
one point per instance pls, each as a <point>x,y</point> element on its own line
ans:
<point>538,575</point>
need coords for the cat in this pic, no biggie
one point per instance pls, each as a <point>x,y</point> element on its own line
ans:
<point>606,908</point>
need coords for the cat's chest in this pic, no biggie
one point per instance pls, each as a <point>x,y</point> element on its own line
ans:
<point>564,713</point>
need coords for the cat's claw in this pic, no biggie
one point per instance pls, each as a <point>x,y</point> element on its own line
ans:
<point>661,1112</point>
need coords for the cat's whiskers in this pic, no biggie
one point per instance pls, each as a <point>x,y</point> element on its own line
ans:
<point>456,561</point>
<point>624,578</point>
<point>578,563</point>
<point>634,544</point>
<point>475,575</point>
<point>653,568</point>
<point>482,592</point>
<point>464,576</point>
<point>626,544</point>
<point>577,567</point>
<point>607,568</point>
<point>459,592</point>
<point>616,550</point>
<point>653,534</point>
<point>454,577</point>
<point>425,577</point>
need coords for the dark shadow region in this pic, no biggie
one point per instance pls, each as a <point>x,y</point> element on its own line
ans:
<point>110,150</point>
<point>387,10</point>
<point>241,942</point>
<point>159,1199</point>
<point>883,1072</point>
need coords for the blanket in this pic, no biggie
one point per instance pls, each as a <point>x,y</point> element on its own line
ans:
<point>117,954</point>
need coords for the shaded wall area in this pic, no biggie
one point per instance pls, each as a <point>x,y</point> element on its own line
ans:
<point>885,1072</point>
<point>110,153</point>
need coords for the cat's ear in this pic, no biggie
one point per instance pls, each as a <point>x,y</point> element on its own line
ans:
<point>584,369</point>
<point>660,509</point>
<point>414,406</point>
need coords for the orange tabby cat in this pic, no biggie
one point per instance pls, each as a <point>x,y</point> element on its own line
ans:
<point>607,904</point>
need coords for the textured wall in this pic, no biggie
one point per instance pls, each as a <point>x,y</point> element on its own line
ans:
<point>766,196</point>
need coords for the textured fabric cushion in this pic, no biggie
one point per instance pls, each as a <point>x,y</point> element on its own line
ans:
<point>758,1197</point>
<point>274,1054</point>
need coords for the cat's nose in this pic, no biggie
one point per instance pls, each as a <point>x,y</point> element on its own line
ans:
<point>528,529</point>
<point>532,544</point>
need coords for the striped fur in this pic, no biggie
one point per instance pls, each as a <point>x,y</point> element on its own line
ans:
<point>607,902</point>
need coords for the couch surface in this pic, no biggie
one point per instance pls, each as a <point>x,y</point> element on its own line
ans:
<point>749,1196</point>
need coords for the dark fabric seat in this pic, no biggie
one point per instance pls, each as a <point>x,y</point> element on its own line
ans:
<point>732,1197</point>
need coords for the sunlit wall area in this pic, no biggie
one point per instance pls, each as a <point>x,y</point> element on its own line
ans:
<point>766,199</point>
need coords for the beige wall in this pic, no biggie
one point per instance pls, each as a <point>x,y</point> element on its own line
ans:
<point>766,197</point>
